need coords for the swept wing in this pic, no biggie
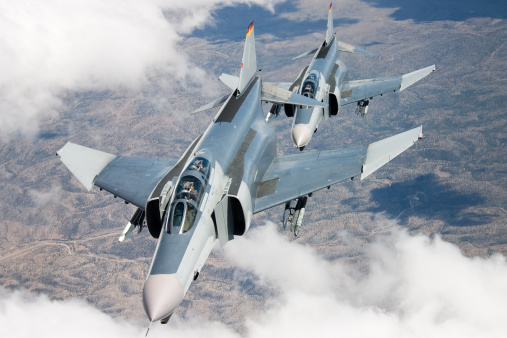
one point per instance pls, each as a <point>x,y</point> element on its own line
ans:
<point>130,178</point>
<point>359,90</point>
<point>292,176</point>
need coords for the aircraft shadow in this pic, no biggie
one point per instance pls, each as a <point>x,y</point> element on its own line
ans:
<point>230,22</point>
<point>437,10</point>
<point>427,197</point>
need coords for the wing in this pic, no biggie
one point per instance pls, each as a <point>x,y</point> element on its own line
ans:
<point>359,90</point>
<point>130,178</point>
<point>283,85</point>
<point>292,176</point>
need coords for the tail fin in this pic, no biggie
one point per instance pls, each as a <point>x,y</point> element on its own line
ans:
<point>249,63</point>
<point>330,27</point>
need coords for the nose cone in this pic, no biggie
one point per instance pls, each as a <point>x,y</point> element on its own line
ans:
<point>301,135</point>
<point>161,296</point>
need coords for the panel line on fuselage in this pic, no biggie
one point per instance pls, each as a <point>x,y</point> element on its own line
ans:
<point>324,50</point>
<point>267,188</point>
<point>236,168</point>
<point>176,170</point>
<point>331,80</point>
<point>234,104</point>
<point>299,79</point>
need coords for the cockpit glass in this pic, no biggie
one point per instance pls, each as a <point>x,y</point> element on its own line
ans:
<point>179,210</point>
<point>188,195</point>
<point>310,86</point>
<point>189,188</point>
<point>201,165</point>
<point>183,217</point>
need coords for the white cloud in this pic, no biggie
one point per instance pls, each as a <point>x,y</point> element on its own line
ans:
<point>413,287</point>
<point>51,48</point>
<point>41,198</point>
<point>26,315</point>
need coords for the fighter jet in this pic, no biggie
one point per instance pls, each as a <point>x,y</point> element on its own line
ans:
<point>326,79</point>
<point>226,175</point>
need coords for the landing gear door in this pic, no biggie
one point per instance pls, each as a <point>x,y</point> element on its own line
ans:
<point>223,218</point>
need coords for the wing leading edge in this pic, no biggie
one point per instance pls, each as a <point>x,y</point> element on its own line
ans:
<point>292,176</point>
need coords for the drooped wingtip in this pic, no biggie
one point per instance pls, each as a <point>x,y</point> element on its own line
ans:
<point>250,28</point>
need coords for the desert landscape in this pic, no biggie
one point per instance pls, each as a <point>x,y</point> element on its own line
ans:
<point>58,240</point>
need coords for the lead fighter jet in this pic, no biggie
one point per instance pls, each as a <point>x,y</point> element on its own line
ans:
<point>326,79</point>
<point>226,175</point>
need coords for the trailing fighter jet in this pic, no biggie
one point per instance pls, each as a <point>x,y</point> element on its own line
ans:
<point>326,79</point>
<point>226,175</point>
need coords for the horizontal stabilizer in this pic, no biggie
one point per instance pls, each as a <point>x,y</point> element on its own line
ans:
<point>216,103</point>
<point>230,81</point>
<point>310,52</point>
<point>345,47</point>
<point>411,78</point>
<point>84,163</point>
<point>283,85</point>
<point>275,94</point>
<point>381,152</point>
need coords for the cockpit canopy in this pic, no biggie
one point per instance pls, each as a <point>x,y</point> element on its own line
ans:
<point>201,165</point>
<point>188,196</point>
<point>189,188</point>
<point>310,84</point>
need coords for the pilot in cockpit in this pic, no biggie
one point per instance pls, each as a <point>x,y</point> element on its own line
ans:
<point>197,165</point>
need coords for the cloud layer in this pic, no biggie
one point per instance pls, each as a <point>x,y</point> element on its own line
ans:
<point>412,286</point>
<point>54,48</point>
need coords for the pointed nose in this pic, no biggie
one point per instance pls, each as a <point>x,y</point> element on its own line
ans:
<point>161,296</point>
<point>301,135</point>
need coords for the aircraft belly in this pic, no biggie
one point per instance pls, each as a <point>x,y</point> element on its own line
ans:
<point>310,117</point>
<point>197,252</point>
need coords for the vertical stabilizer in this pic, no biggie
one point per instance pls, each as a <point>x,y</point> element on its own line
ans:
<point>249,63</point>
<point>330,27</point>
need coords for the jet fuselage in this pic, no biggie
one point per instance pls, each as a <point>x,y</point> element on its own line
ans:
<point>228,162</point>
<point>324,71</point>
